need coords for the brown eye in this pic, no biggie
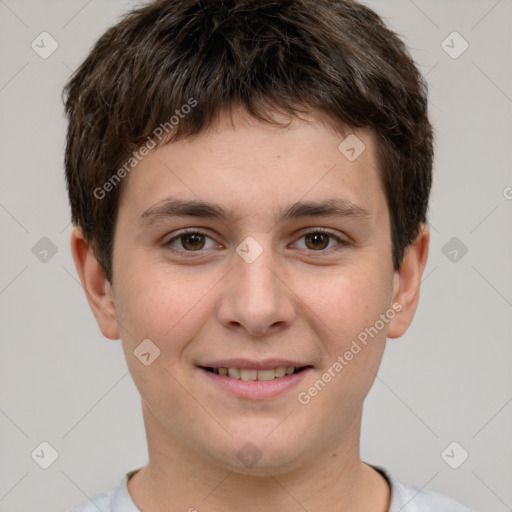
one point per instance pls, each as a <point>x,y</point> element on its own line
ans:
<point>192,241</point>
<point>320,240</point>
<point>317,240</point>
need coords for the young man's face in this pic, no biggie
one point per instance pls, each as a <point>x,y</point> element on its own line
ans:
<point>259,290</point>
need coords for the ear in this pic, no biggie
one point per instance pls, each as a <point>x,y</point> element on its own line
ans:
<point>406,282</point>
<point>97,289</point>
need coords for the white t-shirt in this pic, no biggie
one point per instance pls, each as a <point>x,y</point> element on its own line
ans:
<point>404,498</point>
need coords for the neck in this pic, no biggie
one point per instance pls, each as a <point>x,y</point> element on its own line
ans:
<point>178,477</point>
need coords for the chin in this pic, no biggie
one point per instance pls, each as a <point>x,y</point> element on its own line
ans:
<point>259,451</point>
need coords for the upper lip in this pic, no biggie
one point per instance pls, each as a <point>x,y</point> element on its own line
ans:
<point>265,364</point>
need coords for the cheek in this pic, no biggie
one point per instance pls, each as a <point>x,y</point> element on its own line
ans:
<point>349,303</point>
<point>169,312</point>
<point>162,306</point>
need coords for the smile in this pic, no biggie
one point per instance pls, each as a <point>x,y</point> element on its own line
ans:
<point>260,383</point>
<point>247,374</point>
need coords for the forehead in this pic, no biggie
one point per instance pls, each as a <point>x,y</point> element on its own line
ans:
<point>255,168</point>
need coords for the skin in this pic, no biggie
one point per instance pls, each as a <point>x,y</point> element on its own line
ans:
<point>300,299</point>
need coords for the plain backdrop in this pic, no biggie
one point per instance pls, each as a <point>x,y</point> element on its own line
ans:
<point>447,380</point>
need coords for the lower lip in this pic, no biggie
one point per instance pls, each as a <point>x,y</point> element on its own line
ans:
<point>256,389</point>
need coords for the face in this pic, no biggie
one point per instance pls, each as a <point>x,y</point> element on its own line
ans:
<point>288,264</point>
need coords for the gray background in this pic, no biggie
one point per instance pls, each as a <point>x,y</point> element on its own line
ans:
<point>448,379</point>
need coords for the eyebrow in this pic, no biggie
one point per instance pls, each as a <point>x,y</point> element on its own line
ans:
<point>172,207</point>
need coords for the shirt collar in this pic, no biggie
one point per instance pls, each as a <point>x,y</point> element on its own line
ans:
<point>122,501</point>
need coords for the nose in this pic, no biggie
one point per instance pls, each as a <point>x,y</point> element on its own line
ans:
<point>256,296</point>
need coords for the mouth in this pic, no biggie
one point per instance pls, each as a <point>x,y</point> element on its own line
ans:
<point>252,380</point>
<point>251,374</point>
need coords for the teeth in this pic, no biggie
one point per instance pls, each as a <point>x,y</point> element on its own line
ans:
<point>249,374</point>
<point>280,371</point>
<point>234,373</point>
<point>266,374</point>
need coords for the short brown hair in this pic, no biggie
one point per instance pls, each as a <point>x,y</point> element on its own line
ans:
<point>288,56</point>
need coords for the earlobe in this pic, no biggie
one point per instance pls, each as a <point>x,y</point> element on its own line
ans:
<point>96,286</point>
<point>406,282</point>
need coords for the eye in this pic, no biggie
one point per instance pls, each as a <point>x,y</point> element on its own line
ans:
<point>190,240</point>
<point>193,240</point>
<point>319,239</point>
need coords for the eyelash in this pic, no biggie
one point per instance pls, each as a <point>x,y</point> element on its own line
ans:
<point>342,243</point>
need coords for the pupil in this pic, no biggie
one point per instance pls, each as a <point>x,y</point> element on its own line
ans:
<point>196,239</point>
<point>318,237</point>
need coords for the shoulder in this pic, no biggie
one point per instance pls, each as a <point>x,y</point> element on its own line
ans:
<point>101,502</point>
<point>408,498</point>
<point>117,500</point>
<point>415,499</point>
